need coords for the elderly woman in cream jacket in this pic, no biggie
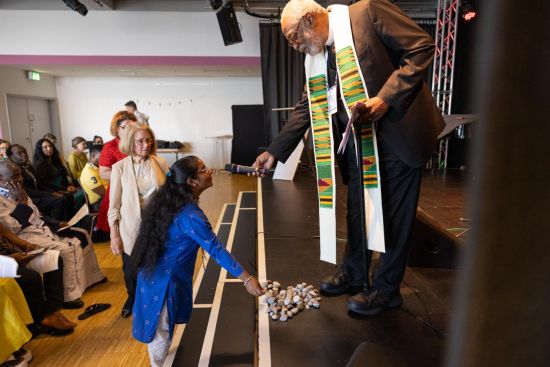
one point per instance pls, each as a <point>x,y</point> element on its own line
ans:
<point>134,180</point>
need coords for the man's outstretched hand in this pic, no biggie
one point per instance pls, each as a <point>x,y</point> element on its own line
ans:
<point>264,161</point>
<point>372,110</point>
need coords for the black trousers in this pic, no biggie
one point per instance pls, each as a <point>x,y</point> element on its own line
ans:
<point>400,191</point>
<point>44,294</point>
<point>54,206</point>
<point>130,279</point>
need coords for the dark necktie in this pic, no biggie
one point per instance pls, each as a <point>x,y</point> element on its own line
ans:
<point>331,66</point>
<point>341,117</point>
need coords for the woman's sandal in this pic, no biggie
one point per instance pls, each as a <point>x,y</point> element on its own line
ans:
<point>93,309</point>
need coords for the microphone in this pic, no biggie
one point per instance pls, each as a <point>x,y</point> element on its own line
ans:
<point>237,168</point>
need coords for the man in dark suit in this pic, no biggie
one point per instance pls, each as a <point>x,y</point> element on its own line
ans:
<point>393,55</point>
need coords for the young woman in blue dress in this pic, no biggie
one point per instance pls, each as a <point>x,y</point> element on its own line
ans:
<point>173,227</point>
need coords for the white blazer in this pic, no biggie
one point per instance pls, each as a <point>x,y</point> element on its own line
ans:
<point>124,198</point>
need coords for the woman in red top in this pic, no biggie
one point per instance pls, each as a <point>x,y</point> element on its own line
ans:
<point>110,154</point>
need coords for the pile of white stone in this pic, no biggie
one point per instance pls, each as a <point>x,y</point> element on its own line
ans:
<point>283,304</point>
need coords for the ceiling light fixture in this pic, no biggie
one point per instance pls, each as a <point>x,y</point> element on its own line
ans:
<point>76,6</point>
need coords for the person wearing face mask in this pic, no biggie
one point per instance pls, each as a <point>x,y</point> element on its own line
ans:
<point>134,180</point>
<point>372,58</point>
<point>172,230</point>
<point>98,140</point>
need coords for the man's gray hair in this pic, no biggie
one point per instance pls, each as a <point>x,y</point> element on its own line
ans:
<point>295,9</point>
<point>7,166</point>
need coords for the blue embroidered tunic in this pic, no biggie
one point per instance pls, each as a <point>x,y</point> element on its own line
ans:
<point>171,280</point>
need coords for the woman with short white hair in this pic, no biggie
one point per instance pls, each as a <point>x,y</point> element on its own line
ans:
<point>134,180</point>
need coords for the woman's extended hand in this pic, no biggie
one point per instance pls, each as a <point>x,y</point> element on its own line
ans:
<point>116,244</point>
<point>251,284</point>
<point>254,288</point>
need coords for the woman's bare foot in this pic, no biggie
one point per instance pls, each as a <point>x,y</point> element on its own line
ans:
<point>65,320</point>
<point>54,321</point>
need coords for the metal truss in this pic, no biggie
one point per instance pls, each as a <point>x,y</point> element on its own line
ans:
<point>444,63</point>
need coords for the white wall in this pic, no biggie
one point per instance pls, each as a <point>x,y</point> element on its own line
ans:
<point>183,109</point>
<point>15,82</point>
<point>122,33</point>
<point>186,109</point>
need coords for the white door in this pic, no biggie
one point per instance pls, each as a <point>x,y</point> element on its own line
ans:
<point>29,121</point>
<point>39,118</point>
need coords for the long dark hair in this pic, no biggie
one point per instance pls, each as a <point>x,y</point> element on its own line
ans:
<point>39,155</point>
<point>160,212</point>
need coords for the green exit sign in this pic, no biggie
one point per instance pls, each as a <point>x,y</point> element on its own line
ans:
<point>33,75</point>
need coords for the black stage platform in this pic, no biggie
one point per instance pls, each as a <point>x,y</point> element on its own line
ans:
<point>329,336</point>
<point>222,326</point>
<point>226,330</point>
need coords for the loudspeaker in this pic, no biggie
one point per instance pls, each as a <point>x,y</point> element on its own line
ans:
<point>229,25</point>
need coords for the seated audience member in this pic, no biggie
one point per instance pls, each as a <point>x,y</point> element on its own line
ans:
<point>4,145</point>
<point>49,202</point>
<point>20,216</point>
<point>52,174</point>
<point>77,159</point>
<point>90,181</point>
<point>44,293</point>
<point>98,140</point>
<point>14,316</point>
<point>51,137</point>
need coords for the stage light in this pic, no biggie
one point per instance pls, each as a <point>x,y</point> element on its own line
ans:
<point>468,11</point>
<point>76,6</point>
<point>216,4</point>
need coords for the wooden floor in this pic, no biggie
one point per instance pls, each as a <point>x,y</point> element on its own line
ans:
<point>105,338</point>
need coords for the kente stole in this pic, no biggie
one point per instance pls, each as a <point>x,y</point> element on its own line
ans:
<point>321,125</point>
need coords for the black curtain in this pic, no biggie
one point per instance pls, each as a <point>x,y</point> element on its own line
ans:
<point>248,135</point>
<point>465,65</point>
<point>283,77</point>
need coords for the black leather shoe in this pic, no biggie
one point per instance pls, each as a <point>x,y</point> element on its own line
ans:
<point>125,313</point>
<point>127,308</point>
<point>373,302</point>
<point>73,305</point>
<point>339,283</point>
